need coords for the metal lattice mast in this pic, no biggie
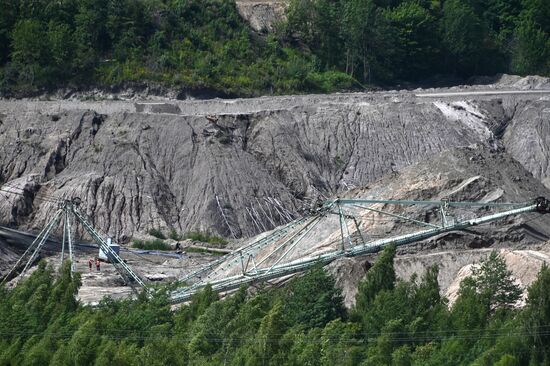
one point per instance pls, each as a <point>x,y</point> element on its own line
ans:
<point>69,239</point>
<point>43,240</point>
<point>66,210</point>
<point>63,239</point>
<point>35,242</point>
<point>122,268</point>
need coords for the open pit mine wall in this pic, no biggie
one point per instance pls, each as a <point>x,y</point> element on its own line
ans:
<point>239,167</point>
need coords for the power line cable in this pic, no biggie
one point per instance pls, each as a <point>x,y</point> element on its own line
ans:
<point>22,192</point>
<point>367,337</point>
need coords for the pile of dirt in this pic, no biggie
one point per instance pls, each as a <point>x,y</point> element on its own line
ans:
<point>240,167</point>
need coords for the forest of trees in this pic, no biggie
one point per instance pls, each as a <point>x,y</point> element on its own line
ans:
<point>325,45</point>
<point>396,40</point>
<point>192,44</point>
<point>303,323</point>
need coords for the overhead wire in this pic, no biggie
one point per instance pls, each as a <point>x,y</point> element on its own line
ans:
<point>144,335</point>
<point>22,192</point>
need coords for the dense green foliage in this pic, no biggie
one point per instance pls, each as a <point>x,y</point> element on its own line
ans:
<point>157,233</point>
<point>174,235</point>
<point>193,44</point>
<point>205,237</point>
<point>325,45</point>
<point>159,242</point>
<point>392,40</point>
<point>303,323</point>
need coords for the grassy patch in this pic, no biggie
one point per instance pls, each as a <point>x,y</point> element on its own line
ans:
<point>205,238</point>
<point>156,244</point>
<point>157,233</point>
<point>174,235</point>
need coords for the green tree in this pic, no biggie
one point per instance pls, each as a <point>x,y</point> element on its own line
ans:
<point>90,35</point>
<point>12,355</point>
<point>401,356</point>
<point>25,304</point>
<point>495,283</point>
<point>199,304</point>
<point>61,45</point>
<point>369,41</point>
<point>341,344</point>
<point>304,350</point>
<point>427,296</point>
<point>501,16</point>
<point>482,305</point>
<point>470,311</point>
<point>84,344</point>
<point>162,351</point>
<point>107,354</point>
<point>40,353</point>
<point>417,44</point>
<point>272,327</point>
<point>8,18</point>
<point>62,297</point>
<point>539,12</point>
<point>531,49</point>
<point>61,357</point>
<point>430,309</point>
<point>378,278</point>
<point>317,24</point>
<point>312,300</point>
<point>466,38</point>
<point>386,344</point>
<point>537,315</point>
<point>507,360</point>
<point>30,49</point>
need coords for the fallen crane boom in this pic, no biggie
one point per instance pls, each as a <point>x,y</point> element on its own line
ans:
<point>540,205</point>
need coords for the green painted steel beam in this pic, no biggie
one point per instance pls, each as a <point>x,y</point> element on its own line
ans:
<point>348,201</point>
<point>540,205</point>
